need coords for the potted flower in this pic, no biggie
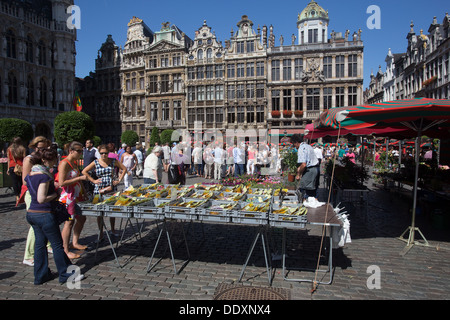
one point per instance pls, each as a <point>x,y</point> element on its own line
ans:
<point>276,114</point>
<point>287,113</point>
<point>289,161</point>
<point>298,113</point>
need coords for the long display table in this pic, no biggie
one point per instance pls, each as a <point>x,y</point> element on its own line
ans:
<point>264,208</point>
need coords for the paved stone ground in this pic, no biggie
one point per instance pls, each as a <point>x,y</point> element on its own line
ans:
<point>218,251</point>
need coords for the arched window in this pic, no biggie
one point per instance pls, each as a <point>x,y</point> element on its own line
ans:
<point>200,54</point>
<point>29,53</point>
<point>30,91</point>
<point>54,94</point>
<point>42,53</point>
<point>11,44</point>
<point>209,53</point>
<point>12,88</point>
<point>43,93</point>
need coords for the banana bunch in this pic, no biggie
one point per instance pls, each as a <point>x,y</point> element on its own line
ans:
<point>299,211</point>
<point>256,208</point>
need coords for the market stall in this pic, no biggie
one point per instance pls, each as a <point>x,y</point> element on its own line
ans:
<point>397,119</point>
<point>236,205</point>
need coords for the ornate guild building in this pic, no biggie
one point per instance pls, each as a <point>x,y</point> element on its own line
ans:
<point>169,81</point>
<point>37,62</point>
<point>101,92</point>
<point>423,70</point>
<point>311,72</point>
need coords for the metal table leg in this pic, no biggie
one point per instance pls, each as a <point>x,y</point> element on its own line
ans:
<point>263,233</point>
<point>169,244</point>
<point>330,262</point>
<point>109,239</point>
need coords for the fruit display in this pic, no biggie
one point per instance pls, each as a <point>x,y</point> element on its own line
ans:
<point>238,204</point>
<point>279,192</point>
<point>228,196</point>
<point>187,204</point>
<point>202,195</point>
<point>251,207</point>
<point>294,211</point>
<point>217,209</point>
<point>259,199</point>
<point>262,192</point>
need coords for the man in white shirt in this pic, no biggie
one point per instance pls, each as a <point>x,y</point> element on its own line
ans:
<point>197,159</point>
<point>140,159</point>
<point>319,153</point>
<point>166,156</point>
<point>308,167</point>
<point>239,161</point>
<point>219,161</point>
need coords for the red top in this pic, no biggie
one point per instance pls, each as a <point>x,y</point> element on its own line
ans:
<point>12,163</point>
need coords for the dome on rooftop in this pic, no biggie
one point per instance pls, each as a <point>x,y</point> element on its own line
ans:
<point>313,11</point>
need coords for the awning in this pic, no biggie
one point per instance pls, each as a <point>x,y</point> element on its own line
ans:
<point>281,132</point>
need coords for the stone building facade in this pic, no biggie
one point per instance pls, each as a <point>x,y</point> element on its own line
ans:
<point>311,73</point>
<point>423,70</point>
<point>169,81</point>
<point>101,92</point>
<point>37,62</point>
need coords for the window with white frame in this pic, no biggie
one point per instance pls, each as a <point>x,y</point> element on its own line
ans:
<point>165,110</point>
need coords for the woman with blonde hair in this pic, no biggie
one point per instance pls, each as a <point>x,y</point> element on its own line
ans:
<point>16,153</point>
<point>39,143</point>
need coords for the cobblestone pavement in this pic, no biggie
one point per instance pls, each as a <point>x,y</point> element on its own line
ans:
<point>218,252</point>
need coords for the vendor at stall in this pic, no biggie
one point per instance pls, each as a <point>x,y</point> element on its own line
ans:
<point>307,167</point>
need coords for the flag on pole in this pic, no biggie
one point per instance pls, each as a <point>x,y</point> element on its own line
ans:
<point>77,102</point>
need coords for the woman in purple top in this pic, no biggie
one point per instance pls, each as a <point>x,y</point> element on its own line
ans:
<point>40,183</point>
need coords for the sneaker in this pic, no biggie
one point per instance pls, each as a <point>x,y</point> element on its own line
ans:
<point>29,262</point>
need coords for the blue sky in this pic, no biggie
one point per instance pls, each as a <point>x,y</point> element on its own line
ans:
<point>102,17</point>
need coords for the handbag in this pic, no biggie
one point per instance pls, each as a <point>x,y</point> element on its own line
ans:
<point>18,167</point>
<point>61,213</point>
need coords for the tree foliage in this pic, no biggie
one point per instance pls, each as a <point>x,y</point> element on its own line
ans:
<point>129,138</point>
<point>166,136</point>
<point>12,127</point>
<point>154,137</point>
<point>73,126</point>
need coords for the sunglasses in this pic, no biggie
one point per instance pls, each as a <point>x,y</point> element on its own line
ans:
<point>78,150</point>
<point>103,153</point>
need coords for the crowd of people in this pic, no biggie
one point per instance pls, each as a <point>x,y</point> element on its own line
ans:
<point>217,160</point>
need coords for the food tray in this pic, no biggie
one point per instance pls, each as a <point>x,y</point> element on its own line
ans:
<point>229,195</point>
<point>286,220</point>
<point>90,209</point>
<point>118,211</point>
<point>150,210</point>
<point>260,191</point>
<point>255,198</point>
<point>196,195</point>
<point>249,217</point>
<point>218,214</point>
<point>172,211</point>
